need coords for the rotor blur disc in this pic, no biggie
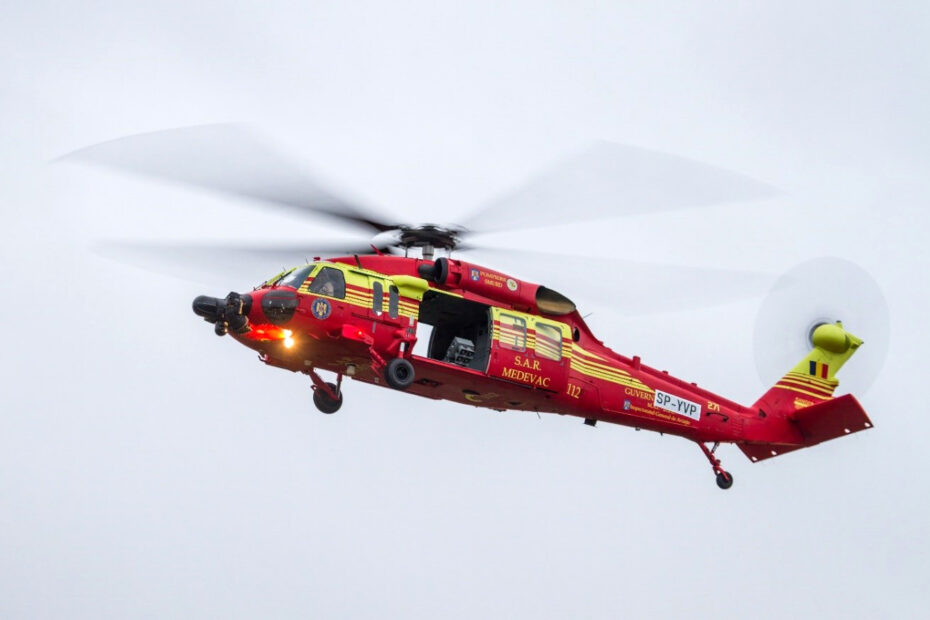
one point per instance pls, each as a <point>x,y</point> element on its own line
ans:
<point>822,290</point>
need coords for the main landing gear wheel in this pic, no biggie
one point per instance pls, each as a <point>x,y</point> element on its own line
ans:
<point>724,480</point>
<point>324,402</point>
<point>399,373</point>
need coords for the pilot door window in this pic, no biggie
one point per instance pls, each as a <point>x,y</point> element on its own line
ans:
<point>548,342</point>
<point>394,302</point>
<point>329,282</point>
<point>512,332</point>
<point>377,297</point>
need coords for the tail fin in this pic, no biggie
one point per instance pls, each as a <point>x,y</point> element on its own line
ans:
<point>800,407</point>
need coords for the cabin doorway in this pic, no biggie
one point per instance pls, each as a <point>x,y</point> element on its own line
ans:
<point>460,330</point>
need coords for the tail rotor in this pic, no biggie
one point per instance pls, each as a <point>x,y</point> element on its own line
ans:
<point>821,292</point>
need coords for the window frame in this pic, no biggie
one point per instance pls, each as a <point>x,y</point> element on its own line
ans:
<point>316,279</point>
<point>523,324</point>
<point>555,336</point>
<point>285,279</point>
<point>377,297</point>
<point>393,301</point>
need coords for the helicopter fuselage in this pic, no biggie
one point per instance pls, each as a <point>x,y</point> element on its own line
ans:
<point>506,344</point>
<point>496,342</point>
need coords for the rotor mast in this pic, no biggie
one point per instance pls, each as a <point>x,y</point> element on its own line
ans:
<point>427,237</point>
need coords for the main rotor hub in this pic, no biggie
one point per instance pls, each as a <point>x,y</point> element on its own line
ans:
<point>428,235</point>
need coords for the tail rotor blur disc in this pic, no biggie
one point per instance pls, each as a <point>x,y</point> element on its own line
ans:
<point>822,290</point>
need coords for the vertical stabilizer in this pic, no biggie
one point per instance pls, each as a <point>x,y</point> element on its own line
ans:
<point>813,379</point>
<point>800,410</point>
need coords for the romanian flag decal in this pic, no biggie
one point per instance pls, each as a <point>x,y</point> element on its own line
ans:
<point>818,369</point>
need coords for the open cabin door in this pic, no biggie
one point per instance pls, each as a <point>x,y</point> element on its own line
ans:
<point>461,330</point>
<point>529,350</point>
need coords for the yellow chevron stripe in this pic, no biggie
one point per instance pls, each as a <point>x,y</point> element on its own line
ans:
<point>579,349</point>
<point>633,383</point>
<point>613,377</point>
<point>792,382</point>
<point>606,367</point>
<point>811,379</point>
<point>827,383</point>
<point>800,391</point>
<point>578,365</point>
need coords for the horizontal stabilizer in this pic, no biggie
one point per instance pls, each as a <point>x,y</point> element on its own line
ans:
<point>830,419</point>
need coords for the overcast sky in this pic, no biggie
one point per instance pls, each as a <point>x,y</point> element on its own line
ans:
<point>150,469</point>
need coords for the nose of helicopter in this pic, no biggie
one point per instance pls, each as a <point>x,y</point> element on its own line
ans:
<point>230,313</point>
<point>277,306</point>
<point>236,312</point>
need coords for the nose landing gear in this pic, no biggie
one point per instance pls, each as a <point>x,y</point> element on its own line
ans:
<point>724,478</point>
<point>324,400</point>
<point>326,396</point>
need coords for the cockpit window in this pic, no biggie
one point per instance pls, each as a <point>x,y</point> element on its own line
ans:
<point>329,282</point>
<point>296,276</point>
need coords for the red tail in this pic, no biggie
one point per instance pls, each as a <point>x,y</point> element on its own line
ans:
<point>799,411</point>
<point>818,423</point>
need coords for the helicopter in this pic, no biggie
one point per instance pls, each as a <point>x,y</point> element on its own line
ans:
<point>494,340</point>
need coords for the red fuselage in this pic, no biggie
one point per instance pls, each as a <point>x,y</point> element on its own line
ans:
<point>524,359</point>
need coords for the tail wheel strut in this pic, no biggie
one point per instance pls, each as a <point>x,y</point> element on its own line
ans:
<point>724,478</point>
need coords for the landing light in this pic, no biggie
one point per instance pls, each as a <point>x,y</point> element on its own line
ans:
<point>288,339</point>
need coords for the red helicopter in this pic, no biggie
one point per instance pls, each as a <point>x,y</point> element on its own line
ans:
<point>495,341</point>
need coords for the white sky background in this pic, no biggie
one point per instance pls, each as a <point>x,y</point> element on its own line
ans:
<point>150,469</point>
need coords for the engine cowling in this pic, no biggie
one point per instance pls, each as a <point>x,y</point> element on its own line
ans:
<point>498,286</point>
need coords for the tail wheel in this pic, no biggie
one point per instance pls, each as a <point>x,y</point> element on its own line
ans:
<point>324,402</point>
<point>399,373</point>
<point>724,480</point>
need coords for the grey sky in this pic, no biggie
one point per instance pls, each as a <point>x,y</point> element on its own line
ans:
<point>150,469</point>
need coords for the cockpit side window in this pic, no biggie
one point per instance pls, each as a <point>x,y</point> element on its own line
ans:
<point>393,302</point>
<point>377,297</point>
<point>329,282</point>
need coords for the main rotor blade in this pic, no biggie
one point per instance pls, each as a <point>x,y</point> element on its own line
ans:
<point>230,261</point>
<point>609,180</point>
<point>228,159</point>
<point>633,287</point>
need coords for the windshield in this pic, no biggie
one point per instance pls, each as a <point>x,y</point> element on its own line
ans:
<point>290,277</point>
<point>295,277</point>
<point>274,279</point>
